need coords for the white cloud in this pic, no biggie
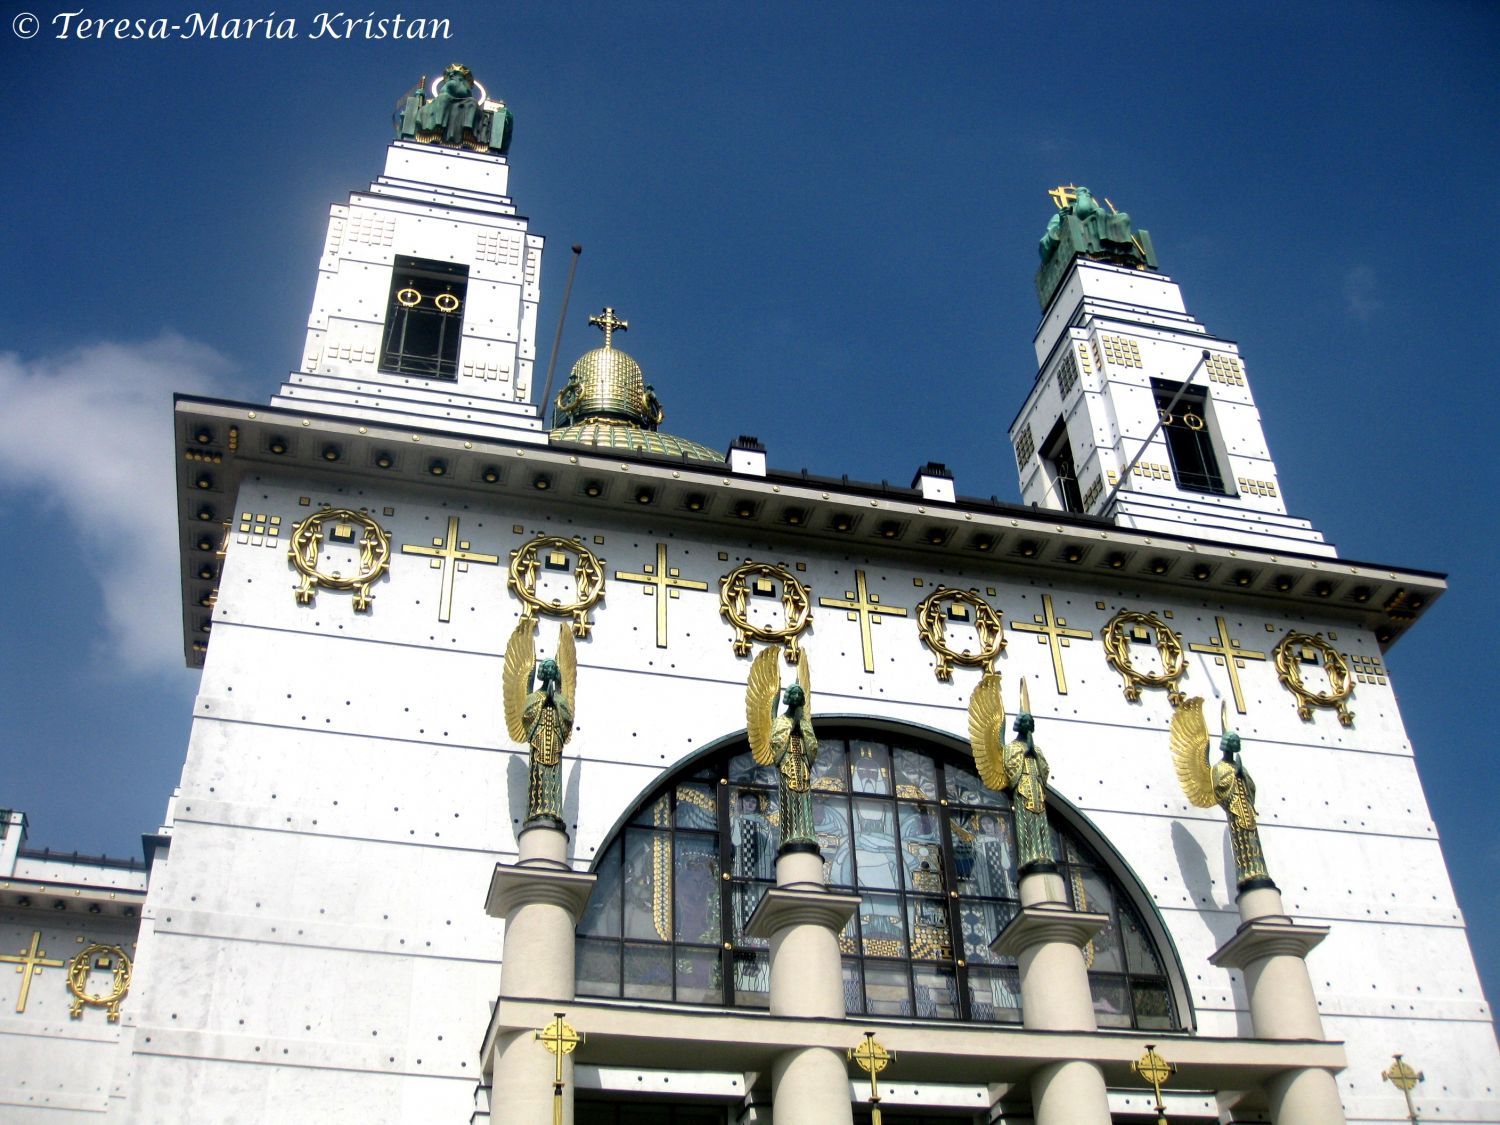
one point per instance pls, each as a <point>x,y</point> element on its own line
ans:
<point>90,431</point>
<point>1361,293</point>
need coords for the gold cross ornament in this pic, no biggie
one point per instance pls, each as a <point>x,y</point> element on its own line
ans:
<point>1154,1069</point>
<point>864,607</point>
<point>608,323</point>
<point>1400,1075</point>
<point>872,1059</point>
<point>1053,630</point>
<point>451,554</point>
<point>1228,652</point>
<point>661,582</point>
<point>560,1039</point>
<point>30,964</point>
<point>1064,195</point>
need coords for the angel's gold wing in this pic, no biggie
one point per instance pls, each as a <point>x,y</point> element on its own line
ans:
<point>1190,753</point>
<point>520,656</point>
<point>761,693</point>
<point>987,731</point>
<point>804,677</point>
<point>567,664</point>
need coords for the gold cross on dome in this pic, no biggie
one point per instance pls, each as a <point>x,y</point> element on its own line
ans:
<point>1228,652</point>
<point>30,964</point>
<point>661,582</point>
<point>1053,630</point>
<point>450,554</point>
<point>864,607</point>
<point>609,323</point>
<point>1063,195</point>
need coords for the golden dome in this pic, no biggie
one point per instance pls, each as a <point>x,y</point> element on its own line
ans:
<point>603,435</point>
<point>607,382</point>
<point>607,403</point>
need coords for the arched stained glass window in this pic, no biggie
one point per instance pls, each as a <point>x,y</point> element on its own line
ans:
<point>902,823</point>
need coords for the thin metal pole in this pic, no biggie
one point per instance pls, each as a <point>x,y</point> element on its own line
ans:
<point>557,340</point>
<point>1161,418</point>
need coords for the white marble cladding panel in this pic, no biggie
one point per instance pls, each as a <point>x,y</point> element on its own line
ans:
<point>1460,1061</point>
<point>426,1005</point>
<point>178,1073</point>
<point>493,312</point>
<point>453,168</point>
<point>356,290</point>
<point>60,869</point>
<point>1092,280</point>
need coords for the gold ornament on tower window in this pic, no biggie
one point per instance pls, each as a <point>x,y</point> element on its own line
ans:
<point>1297,649</point>
<point>108,958</point>
<point>963,606</point>
<point>552,552</point>
<point>1131,626</point>
<point>345,527</point>
<point>761,580</point>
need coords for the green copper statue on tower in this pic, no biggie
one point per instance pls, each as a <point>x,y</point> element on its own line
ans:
<point>541,717</point>
<point>1082,227</point>
<point>454,115</point>
<point>1017,768</point>
<point>785,741</point>
<point>1226,783</point>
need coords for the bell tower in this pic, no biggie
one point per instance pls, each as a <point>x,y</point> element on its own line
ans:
<point>426,304</point>
<point>1138,414</point>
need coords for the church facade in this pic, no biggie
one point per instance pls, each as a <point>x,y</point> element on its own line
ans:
<point>547,766</point>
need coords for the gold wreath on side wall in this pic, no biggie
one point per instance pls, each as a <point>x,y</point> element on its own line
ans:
<point>758,579</point>
<point>109,958</point>
<point>1131,626</point>
<point>552,552</point>
<point>944,605</point>
<point>348,528</point>
<point>1297,649</point>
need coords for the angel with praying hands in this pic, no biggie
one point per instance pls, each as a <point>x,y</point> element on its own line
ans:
<point>785,741</point>
<point>1225,783</point>
<point>1017,768</point>
<point>541,716</point>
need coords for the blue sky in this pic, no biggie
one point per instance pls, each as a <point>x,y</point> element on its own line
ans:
<point>821,222</point>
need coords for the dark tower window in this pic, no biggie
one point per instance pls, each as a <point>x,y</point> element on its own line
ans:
<point>1189,439</point>
<point>1057,455</point>
<point>424,318</point>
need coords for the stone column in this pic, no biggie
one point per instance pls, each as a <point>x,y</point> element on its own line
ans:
<point>1271,950</point>
<point>803,920</point>
<point>1047,939</point>
<point>541,900</point>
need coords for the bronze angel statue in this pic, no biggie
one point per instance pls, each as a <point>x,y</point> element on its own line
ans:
<point>1224,783</point>
<point>785,741</point>
<point>539,712</point>
<point>1017,768</point>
